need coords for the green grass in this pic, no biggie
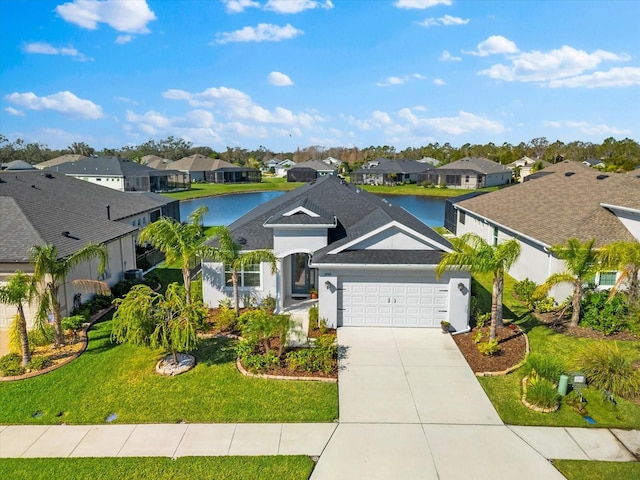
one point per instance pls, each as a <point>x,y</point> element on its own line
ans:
<point>120,379</point>
<point>414,189</point>
<point>215,468</point>
<point>199,190</point>
<point>588,470</point>
<point>504,391</point>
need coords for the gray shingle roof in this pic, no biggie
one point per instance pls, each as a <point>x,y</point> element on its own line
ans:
<point>96,166</point>
<point>475,164</point>
<point>560,202</point>
<point>317,165</point>
<point>386,166</point>
<point>37,206</point>
<point>357,212</point>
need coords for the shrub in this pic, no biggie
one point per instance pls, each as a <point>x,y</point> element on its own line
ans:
<point>477,336</point>
<point>546,366</point>
<point>600,313</point>
<point>313,317</point>
<point>544,304</point>
<point>11,365</point>
<point>226,319</point>
<point>319,357</point>
<point>606,368</point>
<point>525,290</point>
<point>42,336</point>
<point>541,391</point>
<point>489,348</point>
<point>74,324</point>
<point>196,290</point>
<point>253,361</point>
<point>269,302</point>
<point>482,319</point>
<point>38,363</point>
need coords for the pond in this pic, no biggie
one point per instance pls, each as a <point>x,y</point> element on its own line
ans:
<point>225,209</point>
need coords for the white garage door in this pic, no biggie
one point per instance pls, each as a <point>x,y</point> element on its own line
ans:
<point>392,302</point>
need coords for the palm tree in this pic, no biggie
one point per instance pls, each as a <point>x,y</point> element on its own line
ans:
<point>624,257</point>
<point>17,292</point>
<point>178,241</point>
<point>581,264</point>
<point>50,272</point>
<point>230,253</point>
<point>472,252</point>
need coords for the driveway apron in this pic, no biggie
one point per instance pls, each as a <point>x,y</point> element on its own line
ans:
<point>411,408</point>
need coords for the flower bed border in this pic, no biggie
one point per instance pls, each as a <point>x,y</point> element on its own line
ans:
<point>244,372</point>
<point>535,408</point>
<point>515,367</point>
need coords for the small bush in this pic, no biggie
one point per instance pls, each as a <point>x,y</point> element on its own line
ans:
<point>196,290</point>
<point>482,319</point>
<point>321,357</point>
<point>606,368</point>
<point>226,319</point>
<point>544,304</point>
<point>477,336</point>
<point>269,302</point>
<point>38,363</point>
<point>313,317</point>
<point>541,391</point>
<point>42,336</point>
<point>604,314</point>
<point>489,348</point>
<point>525,290</point>
<point>253,361</point>
<point>546,366</point>
<point>11,365</point>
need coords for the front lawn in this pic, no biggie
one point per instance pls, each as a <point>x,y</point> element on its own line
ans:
<point>120,379</point>
<point>199,190</point>
<point>505,391</point>
<point>157,468</point>
<point>588,470</point>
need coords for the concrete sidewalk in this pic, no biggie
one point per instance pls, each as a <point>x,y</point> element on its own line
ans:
<point>164,440</point>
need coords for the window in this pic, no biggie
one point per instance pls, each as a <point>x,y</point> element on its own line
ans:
<point>249,276</point>
<point>607,279</point>
<point>495,236</point>
<point>452,179</point>
<point>463,216</point>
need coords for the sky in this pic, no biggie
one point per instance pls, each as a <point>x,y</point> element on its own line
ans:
<point>288,74</point>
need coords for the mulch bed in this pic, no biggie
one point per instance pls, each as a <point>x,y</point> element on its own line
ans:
<point>513,346</point>
<point>563,325</point>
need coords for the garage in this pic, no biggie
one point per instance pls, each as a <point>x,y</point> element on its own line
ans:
<point>392,302</point>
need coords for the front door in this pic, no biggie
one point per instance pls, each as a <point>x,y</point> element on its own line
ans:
<point>302,278</point>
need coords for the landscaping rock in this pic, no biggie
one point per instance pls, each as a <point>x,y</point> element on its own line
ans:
<point>167,366</point>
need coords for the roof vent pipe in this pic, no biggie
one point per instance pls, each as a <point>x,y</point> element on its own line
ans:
<point>108,212</point>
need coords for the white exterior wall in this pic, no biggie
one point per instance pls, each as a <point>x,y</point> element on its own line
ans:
<point>213,278</point>
<point>495,179</point>
<point>287,241</point>
<point>111,181</point>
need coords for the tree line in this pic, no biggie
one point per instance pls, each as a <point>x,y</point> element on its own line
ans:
<point>618,155</point>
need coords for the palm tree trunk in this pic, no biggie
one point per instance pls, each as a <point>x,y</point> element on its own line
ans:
<point>186,277</point>
<point>495,311</point>
<point>236,293</point>
<point>57,318</point>
<point>575,303</point>
<point>634,287</point>
<point>498,292</point>
<point>24,336</point>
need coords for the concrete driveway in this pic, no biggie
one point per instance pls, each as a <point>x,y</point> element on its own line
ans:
<point>411,408</point>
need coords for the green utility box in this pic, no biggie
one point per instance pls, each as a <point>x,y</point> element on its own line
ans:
<point>563,385</point>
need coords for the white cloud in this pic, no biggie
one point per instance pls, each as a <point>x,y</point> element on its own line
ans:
<point>122,39</point>
<point>296,6</point>
<point>14,111</point>
<point>439,82</point>
<point>279,79</point>
<point>447,57</point>
<point>236,105</point>
<point>64,102</point>
<point>616,77</point>
<point>121,15</point>
<point>45,48</point>
<point>381,118</point>
<point>395,80</point>
<point>445,21</point>
<point>536,66</point>
<point>420,4</point>
<point>493,45</point>
<point>197,126</point>
<point>238,6</point>
<point>264,32</point>
<point>589,129</point>
<point>463,123</point>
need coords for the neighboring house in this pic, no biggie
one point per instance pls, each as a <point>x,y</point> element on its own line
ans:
<point>124,175</point>
<point>308,171</point>
<point>383,171</point>
<point>68,158</point>
<point>39,208</point>
<point>17,165</point>
<point>334,162</point>
<point>372,263</point>
<point>594,163</point>
<point>214,170</point>
<point>525,166</point>
<point>560,202</point>
<point>156,162</point>
<point>278,167</point>
<point>469,173</point>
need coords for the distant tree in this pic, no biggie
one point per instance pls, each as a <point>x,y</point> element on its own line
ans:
<point>18,291</point>
<point>230,253</point>
<point>474,253</point>
<point>80,148</point>
<point>50,272</point>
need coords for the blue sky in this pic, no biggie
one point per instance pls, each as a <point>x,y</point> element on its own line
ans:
<point>286,74</point>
